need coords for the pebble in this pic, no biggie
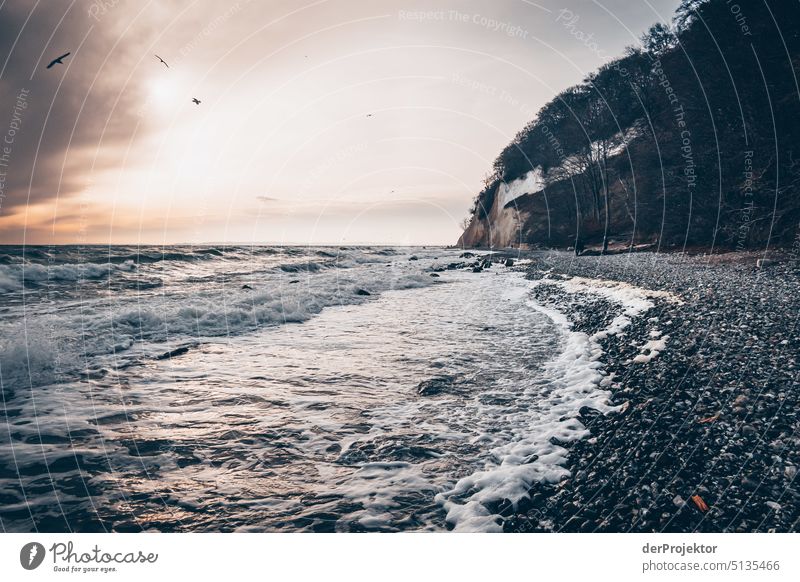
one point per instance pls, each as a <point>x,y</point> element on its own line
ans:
<point>725,355</point>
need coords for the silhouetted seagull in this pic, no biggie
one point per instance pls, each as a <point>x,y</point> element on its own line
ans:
<point>59,60</point>
<point>162,60</point>
<point>195,100</point>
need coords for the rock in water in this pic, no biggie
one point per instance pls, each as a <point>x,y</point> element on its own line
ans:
<point>435,385</point>
<point>173,353</point>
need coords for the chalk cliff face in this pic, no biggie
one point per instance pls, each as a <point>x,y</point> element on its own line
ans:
<point>673,143</point>
<point>523,215</point>
<point>500,229</point>
<point>501,225</point>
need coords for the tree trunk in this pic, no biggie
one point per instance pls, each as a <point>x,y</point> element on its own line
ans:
<point>605,231</point>
<point>605,191</point>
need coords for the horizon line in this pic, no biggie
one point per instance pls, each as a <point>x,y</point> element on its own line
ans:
<point>212,243</point>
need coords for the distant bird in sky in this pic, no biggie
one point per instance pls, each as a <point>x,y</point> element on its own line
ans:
<point>369,114</point>
<point>59,60</point>
<point>195,100</point>
<point>162,60</point>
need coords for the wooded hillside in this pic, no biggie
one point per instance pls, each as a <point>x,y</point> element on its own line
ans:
<point>689,138</point>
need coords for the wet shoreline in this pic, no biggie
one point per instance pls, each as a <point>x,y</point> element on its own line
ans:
<point>708,438</point>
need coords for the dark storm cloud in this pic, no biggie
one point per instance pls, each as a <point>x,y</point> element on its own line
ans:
<point>59,117</point>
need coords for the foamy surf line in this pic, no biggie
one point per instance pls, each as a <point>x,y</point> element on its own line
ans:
<point>39,344</point>
<point>577,380</point>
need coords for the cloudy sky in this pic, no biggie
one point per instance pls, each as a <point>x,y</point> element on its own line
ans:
<point>327,121</point>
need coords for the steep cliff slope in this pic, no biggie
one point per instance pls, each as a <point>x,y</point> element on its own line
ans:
<point>500,224</point>
<point>690,138</point>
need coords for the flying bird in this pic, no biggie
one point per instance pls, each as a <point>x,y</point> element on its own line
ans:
<point>162,60</point>
<point>59,60</point>
<point>195,100</point>
<point>369,114</point>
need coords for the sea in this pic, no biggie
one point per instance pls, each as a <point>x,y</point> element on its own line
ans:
<point>274,389</point>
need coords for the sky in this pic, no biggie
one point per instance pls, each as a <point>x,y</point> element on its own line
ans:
<point>320,122</point>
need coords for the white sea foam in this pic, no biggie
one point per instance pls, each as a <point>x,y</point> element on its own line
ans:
<point>16,274</point>
<point>575,379</point>
<point>329,408</point>
<point>45,341</point>
<point>633,300</point>
<point>8,282</point>
<point>651,349</point>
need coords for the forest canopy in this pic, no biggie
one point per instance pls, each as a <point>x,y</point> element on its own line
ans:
<point>688,138</point>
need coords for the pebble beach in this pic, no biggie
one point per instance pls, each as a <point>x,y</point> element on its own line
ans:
<point>706,380</point>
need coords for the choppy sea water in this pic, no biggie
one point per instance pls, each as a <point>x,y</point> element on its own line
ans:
<point>260,389</point>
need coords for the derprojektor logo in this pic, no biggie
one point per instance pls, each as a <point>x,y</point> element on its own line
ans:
<point>31,555</point>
